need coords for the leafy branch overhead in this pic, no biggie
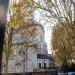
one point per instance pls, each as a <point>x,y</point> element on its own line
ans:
<point>22,12</point>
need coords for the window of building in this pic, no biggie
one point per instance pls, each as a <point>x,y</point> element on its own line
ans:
<point>39,65</point>
<point>44,65</point>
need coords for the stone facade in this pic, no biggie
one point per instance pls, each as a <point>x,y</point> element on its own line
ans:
<point>26,45</point>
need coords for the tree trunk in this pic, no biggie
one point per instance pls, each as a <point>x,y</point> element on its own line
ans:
<point>6,70</point>
<point>2,35</point>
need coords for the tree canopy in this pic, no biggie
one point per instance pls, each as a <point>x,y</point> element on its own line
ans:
<point>63,45</point>
<point>21,13</point>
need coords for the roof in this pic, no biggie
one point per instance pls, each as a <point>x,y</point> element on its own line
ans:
<point>44,56</point>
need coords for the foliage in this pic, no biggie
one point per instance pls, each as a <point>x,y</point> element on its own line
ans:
<point>63,45</point>
<point>22,12</point>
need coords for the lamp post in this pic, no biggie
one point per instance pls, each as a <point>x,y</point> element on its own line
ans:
<point>3,17</point>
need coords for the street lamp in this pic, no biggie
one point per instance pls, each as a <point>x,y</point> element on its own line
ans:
<point>3,17</point>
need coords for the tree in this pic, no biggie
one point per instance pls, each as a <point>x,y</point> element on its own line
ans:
<point>63,45</point>
<point>20,15</point>
<point>60,11</point>
<point>8,46</point>
<point>22,12</point>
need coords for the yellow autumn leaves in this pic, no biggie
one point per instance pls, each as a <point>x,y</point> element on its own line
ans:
<point>21,13</point>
